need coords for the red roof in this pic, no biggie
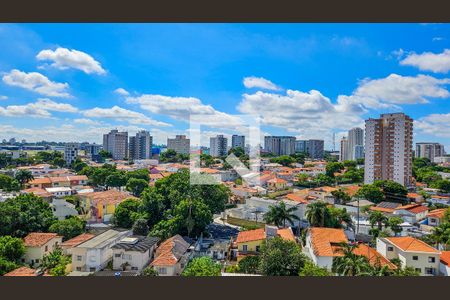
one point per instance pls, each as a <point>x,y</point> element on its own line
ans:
<point>251,235</point>
<point>407,243</point>
<point>38,239</point>
<point>413,208</point>
<point>437,213</point>
<point>296,198</point>
<point>286,234</point>
<point>445,258</point>
<point>77,240</point>
<point>373,256</point>
<point>22,271</point>
<point>325,241</point>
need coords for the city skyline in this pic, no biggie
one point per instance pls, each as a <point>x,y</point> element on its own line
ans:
<point>77,82</point>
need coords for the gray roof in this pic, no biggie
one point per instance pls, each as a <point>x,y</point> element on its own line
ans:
<point>142,245</point>
<point>362,203</point>
<point>386,204</point>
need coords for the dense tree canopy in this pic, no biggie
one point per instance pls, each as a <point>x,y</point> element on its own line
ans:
<point>8,184</point>
<point>11,248</point>
<point>127,212</point>
<point>69,228</point>
<point>202,266</point>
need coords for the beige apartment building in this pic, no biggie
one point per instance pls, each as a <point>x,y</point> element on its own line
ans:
<point>180,144</point>
<point>388,149</point>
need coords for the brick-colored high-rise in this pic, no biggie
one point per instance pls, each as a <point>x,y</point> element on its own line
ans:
<point>388,149</point>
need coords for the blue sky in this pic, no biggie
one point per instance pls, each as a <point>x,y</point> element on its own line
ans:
<point>74,82</point>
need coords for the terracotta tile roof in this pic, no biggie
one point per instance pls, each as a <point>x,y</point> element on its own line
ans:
<point>325,241</point>
<point>277,180</point>
<point>22,272</point>
<point>77,240</point>
<point>296,198</point>
<point>413,208</point>
<point>41,180</point>
<point>170,251</point>
<point>445,258</point>
<point>373,256</point>
<point>351,190</point>
<point>208,171</point>
<point>326,189</point>
<point>156,176</point>
<point>38,192</point>
<point>251,235</point>
<point>108,197</point>
<point>413,195</point>
<point>38,239</point>
<point>437,213</point>
<point>407,243</point>
<point>77,178</point>
<point>382,209</point>
<point>59,179</point>
<point>286,234</point>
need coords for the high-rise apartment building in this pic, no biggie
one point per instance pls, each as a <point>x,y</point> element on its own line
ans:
<point>71,152</point>
<point>429,150</point>
<point>315,149</point>
<point>140,146</point>
<point>355,139</point>
<point>238,141</point>
<point>116,143</point>
<point>388,149</point>
<point>218,146</point>
<point>180,144</point>
<point>279,145</point>
<point>300,146</point>
<point>343,153</point>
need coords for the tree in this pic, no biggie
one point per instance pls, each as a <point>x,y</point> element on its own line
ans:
<point>140,227</point>
<point>136,186</point>
<point>310,269</point>
<point>104,154</point>
<point>202,266</point>
<point>78,165</point>
<point>323,180</point>
<point>279,214</point>
<point>24,214</point>
<point>150,271</point>
<point>340,196</point>
<point>11,248</point>
<point>69,228</point>
<point>127,212</point>
<point>284,160</point>
<point>392,190</point>
<point>394,224</point>
<point>281,257</point>
<point>24,176</point>
<point>139,174</point>
<point>152,206</point>
<point>195,215</point>
<point>55,263</point>
<point>441,235</point>
<point>8,183</point>
<point>6,266</point>
<point>169,155</point>
<point>237,151</point>
<point>299,158</point>
<point>377,217</point>
<point>58,162</point>
<point>338,217</point>
<point>350,264</point>
<point>443,185</point>
<point>249,265</point>
<point>317,214</point>
<point>333,167</point>
<point>370,192</point>
<point>116,179</point>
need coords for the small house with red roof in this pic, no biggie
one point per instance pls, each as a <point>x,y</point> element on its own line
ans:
<point>38,244</point>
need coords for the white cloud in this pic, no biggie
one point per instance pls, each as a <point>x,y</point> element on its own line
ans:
<point>64,58</point>
<point>428,61</point>
<point>259,82</point>
<point>437,39</point>
<point>86,121</point>
<point>120,114</point>
<point>36,82</point>
<point>122,92</point>
<point>183,108</point>
<point>3,97</point>
<point>435,124</point>
<point>395,90</point>
<point>39,109</point>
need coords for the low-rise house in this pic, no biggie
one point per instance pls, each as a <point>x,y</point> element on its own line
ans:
<point>59,192</point>
<point>39,192</point>
<point>444,264</point>
<point>435,217</point>
<point>73,242</point>
<point>411,252</point>
<point>37,170</point>
<point>172,256</point>
<point>277,184</point>
<point>94,254</point>
<point>375,259</point>
<point>323,244</point>
<point>323,193</point>
<point>414,197</point>
<point>39,244</point>
<point>40,182</point>
<point>100,206</point>
<point>437,199</point>
<point>25,272</point>
<point>411,213</point>
<point>133,253</point>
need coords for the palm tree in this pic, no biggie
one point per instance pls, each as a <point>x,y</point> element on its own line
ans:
<point>317,214</point>
<point>24,176</point>
<point>350,264</point>
<point>441,235</point>
<point>279,214</point>
<point>377,217</point>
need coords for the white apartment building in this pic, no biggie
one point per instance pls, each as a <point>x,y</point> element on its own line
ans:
<point>388,149</point>
<point>238,141</point>
<point>180,144</point>
<point>140,145</point>
<point>355,141</point>
<point>71,152</point>
<point>343,154</point>
<point>218,146</point>
<point>280,145</point>
<point>116,143</point>
<point>429,150</point>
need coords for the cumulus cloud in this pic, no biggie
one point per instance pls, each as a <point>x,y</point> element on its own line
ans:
<point>39,109</point>
<point>36,82</point>
<point>185,108</point>
<point>3,97</point>
<point>259,82</point>
<point>86,121</point>
<point>428,61</point>
<point>122,92</point>
<point>120,114</point>
<point>395,90</point>
<point>435,124</point>
<point>63,58</point>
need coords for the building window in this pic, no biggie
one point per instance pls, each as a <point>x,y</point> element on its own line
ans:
<point>419,270</point>
<point>46,248</point>
<point>415,257</point>
<point>429,271</point>
<point>79,269</point>
<point>431,259</point>
<point>91,269</point>
<point>244,248</point>
<point>390,248</point>
<point>127,256</point>
<point>162,271</point>
<point>134,268</point>
<point>79,257</point>
<point>117,255</point>
<point>257,248</point>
